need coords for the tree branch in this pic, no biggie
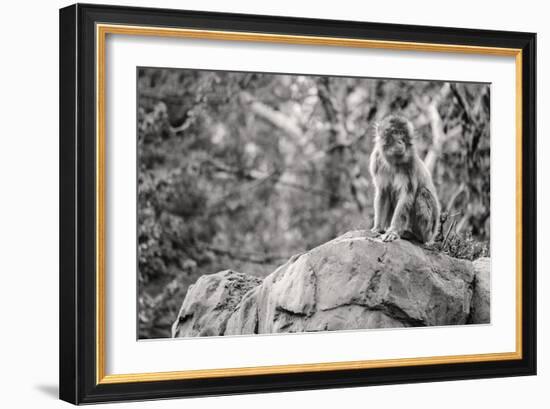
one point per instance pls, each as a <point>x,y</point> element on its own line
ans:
<point>251,257</point>
<point>274,117</point>
<point>461,189</point>
<point>336,153</point>
<point>461,98</point>
<point>436,124</point>
<point>256,175</point>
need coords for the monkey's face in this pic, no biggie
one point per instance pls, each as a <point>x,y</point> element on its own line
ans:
<point>395,140</point>
<point>396,146</point>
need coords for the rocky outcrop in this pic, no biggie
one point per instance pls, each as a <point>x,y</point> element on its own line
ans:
<point>210,302</point>
<point>353,282</point>
<point>481,300</point>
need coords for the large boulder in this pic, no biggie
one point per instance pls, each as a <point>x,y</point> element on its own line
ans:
<point>481,300</point>
<point>210,302</point>
<point>353,282</point>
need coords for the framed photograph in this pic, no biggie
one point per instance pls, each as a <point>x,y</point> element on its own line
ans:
<point>257,203</point>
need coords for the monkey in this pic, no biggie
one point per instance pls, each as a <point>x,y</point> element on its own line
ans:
<point>405,200</point>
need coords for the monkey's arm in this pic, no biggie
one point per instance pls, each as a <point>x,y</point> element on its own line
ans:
<point>381,199</point>
<point>380,211</point>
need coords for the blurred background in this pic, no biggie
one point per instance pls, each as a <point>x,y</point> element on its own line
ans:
<point>243,170</point>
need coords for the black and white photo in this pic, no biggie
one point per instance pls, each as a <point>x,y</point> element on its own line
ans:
<point>285,203</point>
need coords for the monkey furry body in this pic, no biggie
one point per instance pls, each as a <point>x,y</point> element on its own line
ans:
<point>405,202</point>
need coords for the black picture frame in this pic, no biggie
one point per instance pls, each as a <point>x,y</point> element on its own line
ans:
<point>78,236</point>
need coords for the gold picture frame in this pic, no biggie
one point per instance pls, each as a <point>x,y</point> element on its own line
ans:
<point>99,21</point>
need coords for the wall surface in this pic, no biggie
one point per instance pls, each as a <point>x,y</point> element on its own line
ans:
<point>29,205</point>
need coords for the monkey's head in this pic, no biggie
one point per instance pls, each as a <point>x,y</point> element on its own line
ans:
<point>394,136</point>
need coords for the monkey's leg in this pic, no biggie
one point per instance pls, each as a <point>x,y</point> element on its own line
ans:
<point>400,218</point>
<point>425,215</point>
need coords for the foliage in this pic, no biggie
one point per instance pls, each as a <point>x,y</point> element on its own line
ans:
<point>459,246</point>
<point>243,170</point>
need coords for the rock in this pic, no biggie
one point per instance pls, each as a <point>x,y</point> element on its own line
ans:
<point>353,282</point>
<point>481,300</point>
<point>244,319</point>
<point>210,302</point>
